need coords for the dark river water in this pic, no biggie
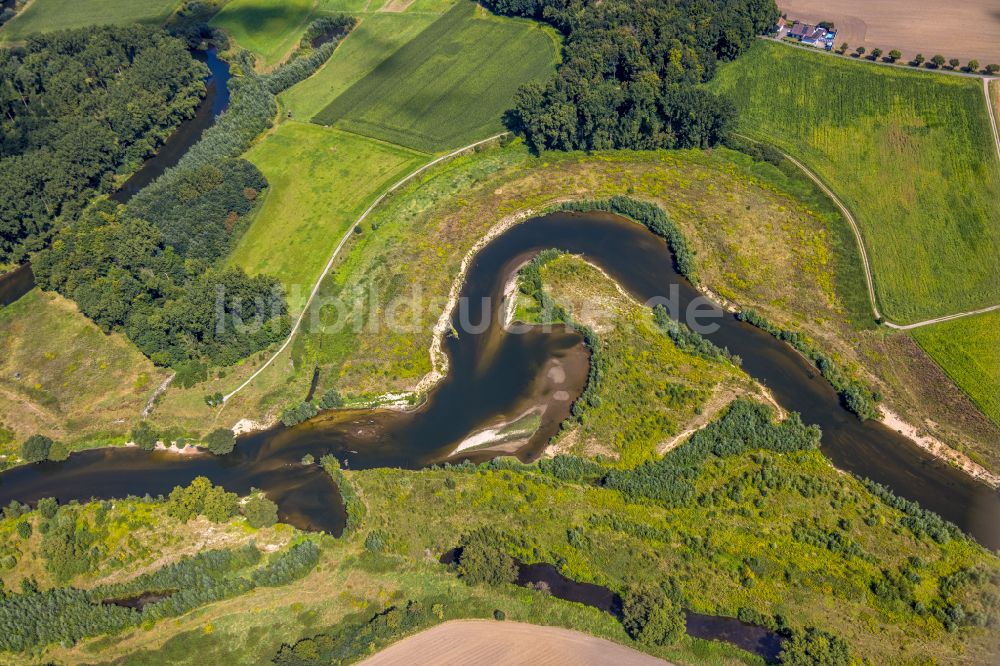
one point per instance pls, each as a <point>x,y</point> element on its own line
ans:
<point>495,375</point>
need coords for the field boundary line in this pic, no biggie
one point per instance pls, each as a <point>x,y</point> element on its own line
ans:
<point>938,320</point>
<point>905,66</point>
<point>343,241</point>
<point>992,113</point>
<point>869,278</point>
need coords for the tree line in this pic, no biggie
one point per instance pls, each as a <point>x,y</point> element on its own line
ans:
<point>77,107</point>
<point>631,70</point>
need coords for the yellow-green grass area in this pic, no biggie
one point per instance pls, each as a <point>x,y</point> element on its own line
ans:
<point>910,153</point>
<point>270,29</point>
<point>451,84</point>
<point>649,389</point>
<point>51,15</point>
<point>409,253</point>
<point>61,376</point>
<point>320,181</point>
<point>735,551</point>
<point>130,537</point>
<point>967,349</point>
<point>375,38</point>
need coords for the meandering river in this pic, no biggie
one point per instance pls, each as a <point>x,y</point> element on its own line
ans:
<point>495,375</point>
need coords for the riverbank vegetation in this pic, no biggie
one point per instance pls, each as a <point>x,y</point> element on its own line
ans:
<point>419,98</point>
<point>643,389</point>
<point>911,154</point>
<point>762,528</point>
<point>62,142</point>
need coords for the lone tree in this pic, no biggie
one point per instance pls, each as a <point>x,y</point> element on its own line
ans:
<point>36,448</point>
<point>651,617</point>
<point>918,59</point>
<point>860,51</point>
<point>260,512</point>
<point>895,55</point>
<point>992,68</point>
<point>483,561</point>
<point>938,60</point>
<point>876,54</point>
<point>973,66</point>
<point>844,47</point>
<point>220,441</point>
<point>58,451</point>
<point>954,62</point>
<point>144,436</point>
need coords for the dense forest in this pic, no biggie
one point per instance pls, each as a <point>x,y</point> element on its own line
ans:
<point>631,69</point>
<point>75,108</point>
<point>151,268</point>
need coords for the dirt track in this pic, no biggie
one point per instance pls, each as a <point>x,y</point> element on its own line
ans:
<point>964,30</point>
<point>506,643</point>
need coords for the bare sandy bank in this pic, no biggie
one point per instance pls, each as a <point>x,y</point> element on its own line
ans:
<point>506,643</point>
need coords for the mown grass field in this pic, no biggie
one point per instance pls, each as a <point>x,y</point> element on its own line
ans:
<point>376,37</point>
<point>910,153</point>
<point>449,85</point>
<point>320,180</point>
<point>967,349</point>
<point>268,28</point>
<point>75,381</point>
<point>52,15</point>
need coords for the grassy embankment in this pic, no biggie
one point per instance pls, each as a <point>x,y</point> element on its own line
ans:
<point>75,383</point>
<point>450,85</point>
<point>817,548</point>
<point>910,153</point>
<point>270,29</point>
<point>52,15</point>
<point>320,181</point>
<point>967,350</point>
<point>731,208</point>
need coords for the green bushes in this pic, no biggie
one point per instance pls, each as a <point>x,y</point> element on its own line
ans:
<point>67,615</point>
<point>36,448</point>
<point>353,504</point>
<point>653,218</point>
<point>855,395</point>
<point>292,416</point>
<point>652,614</point>
<point>688,341</point>
<point>260,511</point>
<point>201,498</point>
<point>303,66</point>
<point>220,441</point>
<point>483,561</point>
<point>746,426</point>
<point>636,88</point>
<point>145,436</point>
<point>812,647</point>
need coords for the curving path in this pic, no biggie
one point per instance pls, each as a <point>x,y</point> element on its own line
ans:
<point>992,113</point>
<point>340,246</point>
<point>869,281</point>
<point>507,644</point>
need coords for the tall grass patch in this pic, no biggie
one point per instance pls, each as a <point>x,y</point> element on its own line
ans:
<point>911,154</point>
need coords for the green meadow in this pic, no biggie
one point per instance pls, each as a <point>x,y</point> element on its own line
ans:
<point>268,28</point>
<point>450,84</point>
<point>967,350</point>
<point>321,180</point>
<point>910,153</point>
<point>376,37</point>
<point>52,15</point>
